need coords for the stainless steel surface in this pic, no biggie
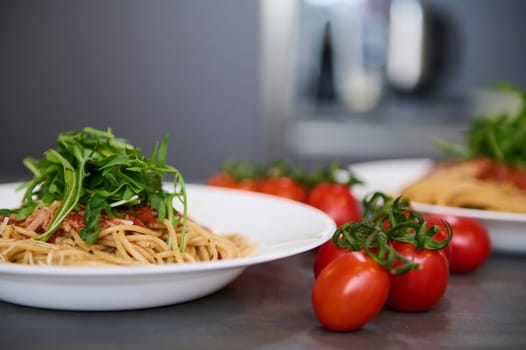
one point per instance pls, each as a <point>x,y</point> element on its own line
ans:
<point>268,307</point>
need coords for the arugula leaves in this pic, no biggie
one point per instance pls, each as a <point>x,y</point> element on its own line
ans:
<point>501,137</point>
<point>103,173</point>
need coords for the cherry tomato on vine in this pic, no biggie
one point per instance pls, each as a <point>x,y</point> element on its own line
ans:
<point>419,289</point>
<point>238,174</point>
<point>286,187</point>
<point>325,254</point>
<point>222,179</point>
<point>349,292</point>
<point>253,185</point>
<point>337,201</point>
<point>470,244</point>
<point>442,234</point>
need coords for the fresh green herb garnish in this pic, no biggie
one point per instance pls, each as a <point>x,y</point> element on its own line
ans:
<point>501,137</point>
<point>94,169</point>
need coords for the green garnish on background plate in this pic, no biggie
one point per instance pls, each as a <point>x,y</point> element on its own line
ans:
<point>501,137</point>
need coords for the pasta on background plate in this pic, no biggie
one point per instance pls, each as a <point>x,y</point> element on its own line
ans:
<point>489,170</point>
<point>467,184</point>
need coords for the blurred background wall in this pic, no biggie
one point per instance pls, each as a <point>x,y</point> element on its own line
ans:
<point>226,79</point>
<point>142,68</point>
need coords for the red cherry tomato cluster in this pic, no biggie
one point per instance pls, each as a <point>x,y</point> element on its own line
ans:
<point>394,257</point>
<point>470,245</point>
<point>327,188</point>
<point>383,253</point>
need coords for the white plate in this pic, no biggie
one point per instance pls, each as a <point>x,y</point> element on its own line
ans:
<point>507,230</point>
<point>279,227</point>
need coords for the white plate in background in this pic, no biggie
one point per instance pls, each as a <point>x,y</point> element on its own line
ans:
<point>280,228</point>
<point>507,230</point>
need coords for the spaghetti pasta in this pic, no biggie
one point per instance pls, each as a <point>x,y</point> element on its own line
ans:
<point>466,184</point>
<point>121,242</point>
<point>97,200</point>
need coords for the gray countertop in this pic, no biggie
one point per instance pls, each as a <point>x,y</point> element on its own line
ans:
<point>268,307</point>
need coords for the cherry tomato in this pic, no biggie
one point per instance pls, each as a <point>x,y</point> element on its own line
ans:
<point>221,179</point>
<point>284,187</point>
<point>253,185</point>
<point>335,200</point>
<point>441,234</point>
<point>325,254</point>
<point>349,292</point>
<point>470,245</point>
<point>419,290</point>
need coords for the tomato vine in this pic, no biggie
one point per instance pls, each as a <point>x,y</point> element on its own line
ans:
<point>387,220</point>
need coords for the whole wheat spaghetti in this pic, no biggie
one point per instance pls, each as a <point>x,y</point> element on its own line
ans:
<point>121,242</point>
